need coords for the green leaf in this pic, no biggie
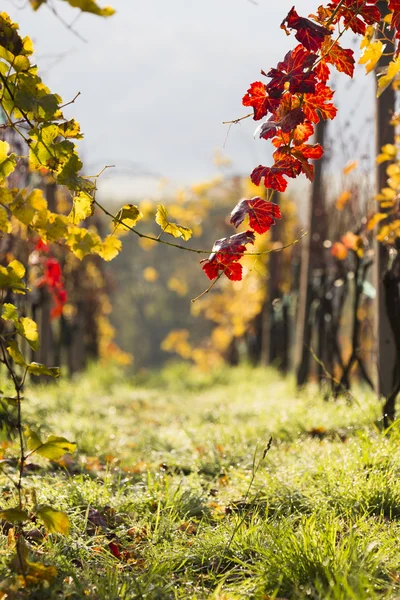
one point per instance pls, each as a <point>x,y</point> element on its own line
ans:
<point>16,354</point>
<point>171,228</point>
<point>55,521</point>
<point>35,368</point>
<point>14,514</point>
<point>82,208</point>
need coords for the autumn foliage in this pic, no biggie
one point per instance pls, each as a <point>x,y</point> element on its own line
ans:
<point>292,98</point>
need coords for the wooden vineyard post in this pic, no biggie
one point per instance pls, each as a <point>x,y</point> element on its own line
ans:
<point>385,343</point>
<point>312,261</point>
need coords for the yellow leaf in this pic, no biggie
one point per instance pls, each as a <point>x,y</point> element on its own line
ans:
<point>389,74</point>
<point>172,228</point>
<point>371,55</point>
<point>82,207</point>
<point>29,331</point>
<point>11,277</point>
<point>110,248</point>
<point>128,215</point>
<point>350,167</point>
<point>369,34</point>
<point>5,224</point>
<point>375,220</point>
<point>388,152</point>
<point>83,242</point>
<point>343,200</point>
<point>55,521</point>
<point>16,354</point>
<point>7,161</point>
<point>25,209</point>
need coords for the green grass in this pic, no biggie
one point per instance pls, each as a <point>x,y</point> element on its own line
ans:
<point>169,468</point>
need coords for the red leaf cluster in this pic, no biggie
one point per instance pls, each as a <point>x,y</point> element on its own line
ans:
<point>296,97</point>
<point>356,14</point>
<point>225,255</point>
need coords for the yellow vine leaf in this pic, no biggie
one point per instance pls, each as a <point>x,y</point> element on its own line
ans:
<point>82,207</point>
<point>388,152</point>
<point>374,220</point>
<point>389,74</point>
<point>110,248</point>
<point>16,354</point>
<point>89,6</point>
<point>83,242</point>
<point>12,275</point>
<point>7,161</point>
<point>128,215</point>
<point>50,226</point>
<point>5,224</point>
<point>386,197</point>
<point>371,55</point>
<point>172,228</point>
<point>393,172</point>
<point>25,209</point>
<point>368,37</point>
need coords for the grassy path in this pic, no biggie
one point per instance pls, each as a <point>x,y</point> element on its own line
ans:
<point>160,500</point>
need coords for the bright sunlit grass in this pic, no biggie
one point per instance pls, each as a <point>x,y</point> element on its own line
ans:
<point>169,496</point>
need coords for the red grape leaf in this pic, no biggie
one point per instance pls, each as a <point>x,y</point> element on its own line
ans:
<point>225,253</point>
<point>356,13</point>
<point>274,176</point>
<point>298,136</point>
<point>310,34</point>
<point>294,71</point>
<point>259,100</point>
<point>262,214</point>
<point>334,54</point>
<point>318,105</point>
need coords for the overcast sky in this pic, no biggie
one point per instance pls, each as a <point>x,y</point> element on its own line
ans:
<point>157,80</point>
